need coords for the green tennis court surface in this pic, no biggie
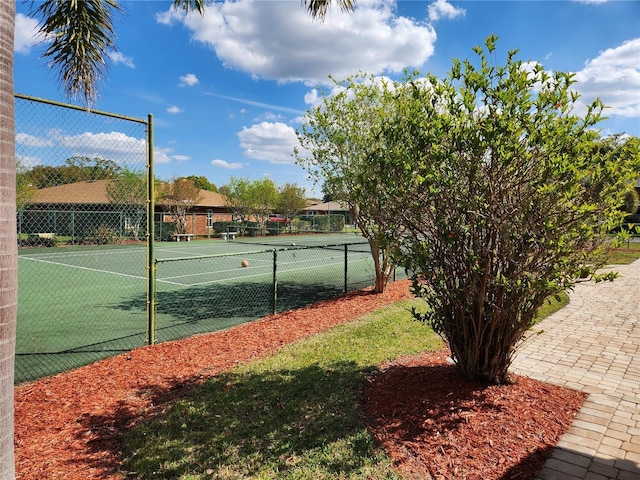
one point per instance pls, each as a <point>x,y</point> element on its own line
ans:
<point>79,304</point>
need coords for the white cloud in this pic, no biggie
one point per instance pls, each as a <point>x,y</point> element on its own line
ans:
<point>279,41</point>
<point>614,77</point>
<point>27,140</point>
<point>443,9</point>
<point>164,155</point>
<point>161,155</point>
<point>273,142</point>
<point>115,146</point>
<point>26,34</point>
<point>269,117</point>
<point>311,97</point>
<point>174,109</point>
<point>118,57</point>
<point>224,164</point>
<point>188,80</point>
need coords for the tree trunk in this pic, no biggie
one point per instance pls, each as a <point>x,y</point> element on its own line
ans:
<point>382,266</point>
<point>8,240</point>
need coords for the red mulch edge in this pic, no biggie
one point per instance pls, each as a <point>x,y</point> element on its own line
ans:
<point>70,426</point>
<point>431,420</point>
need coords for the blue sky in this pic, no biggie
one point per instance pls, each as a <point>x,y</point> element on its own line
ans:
<point>228,90</point>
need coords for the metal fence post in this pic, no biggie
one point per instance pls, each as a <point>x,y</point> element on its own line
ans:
<point>346,263</point>
<point>275,281</point>
<point>151,266</point>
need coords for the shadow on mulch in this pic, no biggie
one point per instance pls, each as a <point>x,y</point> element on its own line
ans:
<point>433,420</point>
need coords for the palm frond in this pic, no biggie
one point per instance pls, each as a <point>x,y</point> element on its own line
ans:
<point>190,5</point>
<point>318,8</point>
<point>81,35</point>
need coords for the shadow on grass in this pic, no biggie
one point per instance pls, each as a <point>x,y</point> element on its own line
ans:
<point>268,425</point>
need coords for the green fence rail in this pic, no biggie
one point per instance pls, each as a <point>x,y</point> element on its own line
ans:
<point>213,292</point>
<point>93,282</point>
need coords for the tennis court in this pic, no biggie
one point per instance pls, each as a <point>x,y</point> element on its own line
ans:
<point>79,304</point>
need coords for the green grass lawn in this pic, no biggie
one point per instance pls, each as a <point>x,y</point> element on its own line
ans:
<point>553,304</point>
<point>628,253</point>
<point>293,415</point>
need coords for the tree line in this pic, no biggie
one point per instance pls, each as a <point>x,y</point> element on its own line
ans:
<point>256,199</point>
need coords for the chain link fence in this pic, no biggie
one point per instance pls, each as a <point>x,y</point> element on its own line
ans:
<point>208,293</point>
<point>90,285</point>
<point>81,196</point>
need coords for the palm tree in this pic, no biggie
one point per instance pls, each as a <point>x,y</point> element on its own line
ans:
<point>82,35</point>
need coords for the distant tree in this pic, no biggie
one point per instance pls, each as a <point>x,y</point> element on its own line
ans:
<point>75,169</point>
<point>348,156</point>
<point>264,198</point>
<point>25,191</point>
<point>129,191</point>
<point>238,196</point>
<point>179,196</point>
<point>327,194</point>
<point>291,200</point>
<point>42,176</point>
<point>251,199</point>
<point>203,183</point>
<point>85,168</point>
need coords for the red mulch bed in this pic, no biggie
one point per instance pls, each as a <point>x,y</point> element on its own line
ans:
<point>70,426</point>
<point>432,421</point>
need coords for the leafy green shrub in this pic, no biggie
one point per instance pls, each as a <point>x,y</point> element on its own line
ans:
<point>164,231</point>
<point>301,224</point>
<point>219,227</point>
<point>328,223</point>
<point>104,235</point>
<point>275,228</point>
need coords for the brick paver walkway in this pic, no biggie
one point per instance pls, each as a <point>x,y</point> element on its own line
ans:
<point>593,345</point>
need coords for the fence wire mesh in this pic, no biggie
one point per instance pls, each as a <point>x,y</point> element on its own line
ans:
<point>85,266</point>
<point>209,293</point>
<point>81,192</point>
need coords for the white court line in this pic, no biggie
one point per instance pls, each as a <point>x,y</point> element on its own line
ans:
<point>236,278</point>
<point>167,280</point>
<point>210,272</point>
<point>90,253</point>
<point>267,263</point>
<point>83,268</point>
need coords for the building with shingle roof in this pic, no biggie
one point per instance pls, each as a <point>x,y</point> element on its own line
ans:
<point>72,209</point>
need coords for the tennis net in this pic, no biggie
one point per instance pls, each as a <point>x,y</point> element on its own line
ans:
<point>355,242</point>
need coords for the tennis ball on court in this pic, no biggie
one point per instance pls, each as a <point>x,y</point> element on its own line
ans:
<point>244,263</point>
